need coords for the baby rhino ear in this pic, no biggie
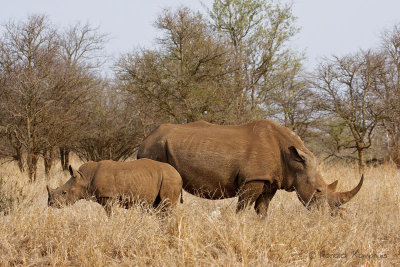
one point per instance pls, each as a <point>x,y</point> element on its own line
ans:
<point>73,172</point>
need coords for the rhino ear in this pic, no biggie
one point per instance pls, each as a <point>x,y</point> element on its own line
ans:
<point>73,172</point>
<point>297,154</point>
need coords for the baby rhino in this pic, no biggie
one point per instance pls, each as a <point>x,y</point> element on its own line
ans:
<point>143,180</point>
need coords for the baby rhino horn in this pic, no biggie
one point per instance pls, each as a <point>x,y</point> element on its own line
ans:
<point>49,190</point>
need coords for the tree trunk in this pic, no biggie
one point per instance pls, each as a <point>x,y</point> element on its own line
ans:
<point>48,156</point>
<point>394,149</point>
<point>18,150</point>
<point>64,158</point>
<point>31,161</point>
<point>361,161</point>
<point>19,159</point>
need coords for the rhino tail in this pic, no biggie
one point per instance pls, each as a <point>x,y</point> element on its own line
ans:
<point>181,196</point>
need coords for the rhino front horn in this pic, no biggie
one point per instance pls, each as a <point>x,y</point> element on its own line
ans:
<point>344,197</point>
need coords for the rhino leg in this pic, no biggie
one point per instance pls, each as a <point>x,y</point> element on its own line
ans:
<point>106,202</point>
<point>264,199</point>
<point>170,191</point>
<point>249,193</point>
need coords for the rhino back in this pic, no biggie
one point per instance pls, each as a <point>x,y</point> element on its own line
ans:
<point>218,158</point>
<point>140,178</point>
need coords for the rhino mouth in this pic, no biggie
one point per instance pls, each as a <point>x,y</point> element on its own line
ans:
<point>56,204</point>
<point>52,200</point>
<point>308,203</point>
<point>291,189</point>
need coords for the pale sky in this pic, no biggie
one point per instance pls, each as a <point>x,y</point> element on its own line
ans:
<point>327,26</point>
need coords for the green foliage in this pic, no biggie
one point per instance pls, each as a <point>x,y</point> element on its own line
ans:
<point>259,33</point>
<point>187,78</point>
<point>336,138</point>
<point>220,72</point>
<point>238,18</point>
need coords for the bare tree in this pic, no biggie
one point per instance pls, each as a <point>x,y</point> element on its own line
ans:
<point>346,89</point>
<point>83,45</point>
<point>41,90</point>
<point>112,129</point>
<point>389,93</point>
<point>82,50</point>
<point>292,102</point>
<point>28,62</point>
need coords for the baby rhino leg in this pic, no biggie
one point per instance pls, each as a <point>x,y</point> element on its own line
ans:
<point>171,187</point>
<point>107,203</point>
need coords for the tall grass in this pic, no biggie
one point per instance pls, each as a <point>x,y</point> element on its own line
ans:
<point>202,232</point>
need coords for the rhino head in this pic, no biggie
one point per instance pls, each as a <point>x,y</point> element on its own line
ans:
<point>306,179</point>
<point>73,190</point>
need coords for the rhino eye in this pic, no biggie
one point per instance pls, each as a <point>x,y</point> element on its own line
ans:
<point>64,192</point>
<point>318,190</point>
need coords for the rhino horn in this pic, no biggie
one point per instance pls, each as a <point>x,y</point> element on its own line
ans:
<point>344,197</point>
<point>48,189</point>
<point>332,186</point>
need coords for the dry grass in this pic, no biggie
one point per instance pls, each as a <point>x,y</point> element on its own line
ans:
<point>196,234</point>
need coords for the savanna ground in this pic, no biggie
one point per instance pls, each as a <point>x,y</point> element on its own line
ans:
<point>201,232</point>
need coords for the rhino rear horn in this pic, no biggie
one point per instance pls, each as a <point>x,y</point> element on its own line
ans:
<point>344,197</point>
<point>332,186</point>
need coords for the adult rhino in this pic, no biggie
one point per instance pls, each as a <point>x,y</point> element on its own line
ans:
<point>251,161</point>
<point>142,180</point>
